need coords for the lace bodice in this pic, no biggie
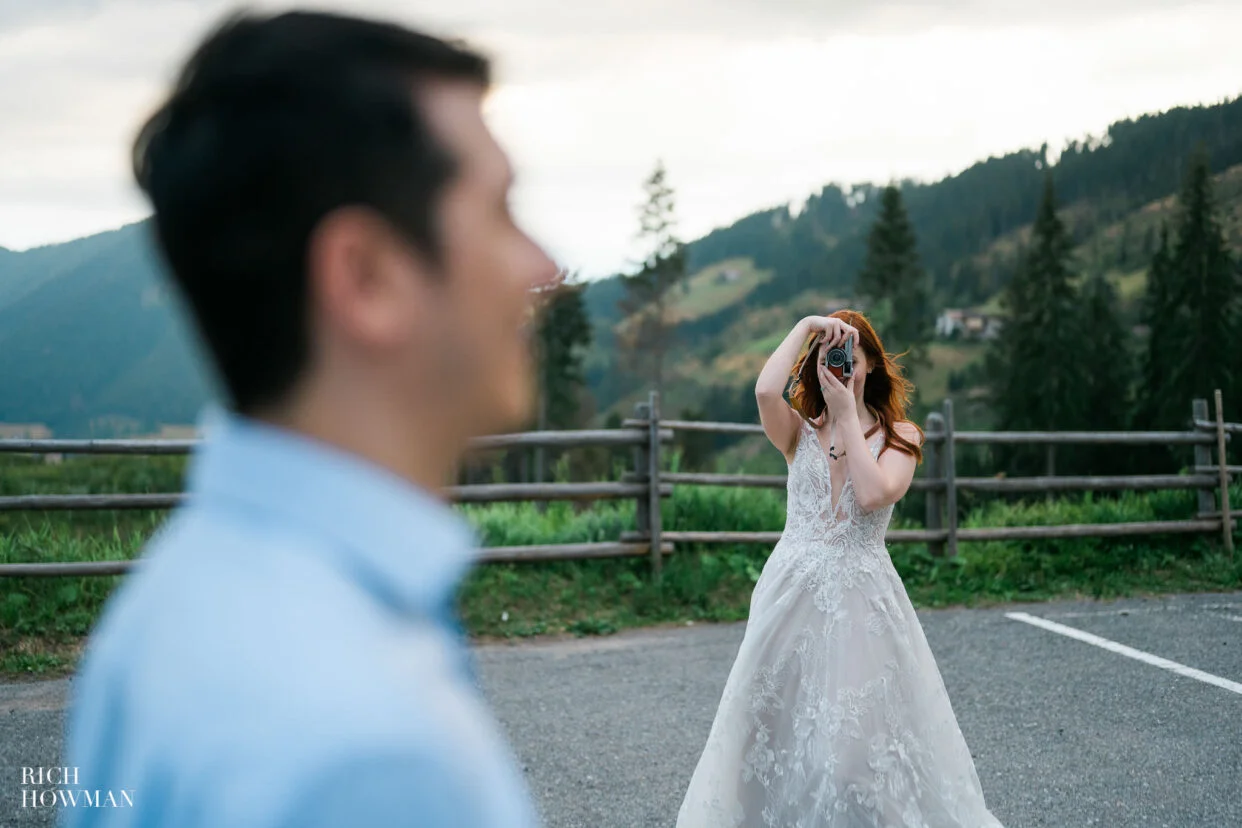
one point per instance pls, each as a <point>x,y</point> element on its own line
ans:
<point>809,513</point>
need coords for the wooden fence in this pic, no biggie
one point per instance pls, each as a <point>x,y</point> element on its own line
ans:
<point>647,484</point>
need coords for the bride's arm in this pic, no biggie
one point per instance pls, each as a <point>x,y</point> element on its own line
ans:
<point>780,422</point>
<point>877,483</point>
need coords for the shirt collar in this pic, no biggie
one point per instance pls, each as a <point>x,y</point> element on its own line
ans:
<point>407,546</point>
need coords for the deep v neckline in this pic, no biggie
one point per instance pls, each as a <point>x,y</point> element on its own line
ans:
<point>849,478</point>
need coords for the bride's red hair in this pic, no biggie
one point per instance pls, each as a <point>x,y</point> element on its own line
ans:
<point>887,392</point>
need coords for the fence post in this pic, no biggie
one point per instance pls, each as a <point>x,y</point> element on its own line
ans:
<point>1050,464</point>
<point>950,479</point>
<point>1203,455</point>
<point>642,466</point>
<point>933,461</point>
<point>1226,518</point>
<point>653,483</point>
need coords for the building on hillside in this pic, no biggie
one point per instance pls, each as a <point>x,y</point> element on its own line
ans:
<point>24,431</point>
<point>982,325</point>
<point>954,323</point>
<point>171,432</point>
<point>30,431</point>
<point>178,432</point>
<point>950,323</point>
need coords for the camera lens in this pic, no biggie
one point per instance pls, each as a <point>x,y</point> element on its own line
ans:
<point>836,357</point>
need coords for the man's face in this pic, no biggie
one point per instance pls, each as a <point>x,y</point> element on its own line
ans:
<point>489,268</point>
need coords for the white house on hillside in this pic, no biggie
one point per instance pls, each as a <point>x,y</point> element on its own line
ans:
<point>958,323</point>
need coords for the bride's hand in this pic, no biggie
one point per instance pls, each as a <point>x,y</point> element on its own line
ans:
<point>838,396</point>
<point>832,331</point>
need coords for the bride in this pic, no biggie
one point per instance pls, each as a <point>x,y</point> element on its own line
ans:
<point>834,714</point>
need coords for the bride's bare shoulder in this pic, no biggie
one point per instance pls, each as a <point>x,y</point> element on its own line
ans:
<point>908,430</point>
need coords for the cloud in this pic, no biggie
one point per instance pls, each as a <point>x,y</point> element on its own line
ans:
<point>750,102</point>
<point>77,86</point>
<point>763,123</point>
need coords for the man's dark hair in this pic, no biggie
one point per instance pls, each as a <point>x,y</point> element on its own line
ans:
<point>273,123</point>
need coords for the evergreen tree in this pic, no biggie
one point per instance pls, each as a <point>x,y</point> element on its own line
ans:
<point>1198,342</point>
<point>1107,364</point>
<point>970,283</point>
<point>1149,242</point>
<point>1036,367</point>
<point>562,337</point>
<point>1106,356</point>
<point>645,333</point>
<point>893,276</point>
<point>1233,402</point>
<point>1157,405</point>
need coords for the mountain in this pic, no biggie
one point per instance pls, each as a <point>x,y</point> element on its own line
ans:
<point>93,342</point>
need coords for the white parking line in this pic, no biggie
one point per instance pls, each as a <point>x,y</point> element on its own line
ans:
<point>1129,652</point>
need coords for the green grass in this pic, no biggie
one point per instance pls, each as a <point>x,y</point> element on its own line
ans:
<point>1131,285</point>
<point>767,344</point>
<point>993,306</point>
<point>946,357</point>
<point>707,291</point>
<point>43,620</point>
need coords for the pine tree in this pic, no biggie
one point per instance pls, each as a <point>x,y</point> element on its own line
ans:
<point>645,333</point>
<point>1198,341</point>
<point>563,335</point>
<point>1157,406</point>
<point>1233,402</point>
<point>1038,379</point>
<point>1107,363</point>
<point>1106,356</point>
<point>893,276</point>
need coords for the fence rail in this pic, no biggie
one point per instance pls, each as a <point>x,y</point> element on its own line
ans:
<point>647,484</point>
<point>987,437</point>
<point>523,439</point>
<point>979,484</point>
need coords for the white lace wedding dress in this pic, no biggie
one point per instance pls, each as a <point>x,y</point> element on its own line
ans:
<point>834,714</point>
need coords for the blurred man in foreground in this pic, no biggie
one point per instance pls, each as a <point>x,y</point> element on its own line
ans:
<point>333,210</point>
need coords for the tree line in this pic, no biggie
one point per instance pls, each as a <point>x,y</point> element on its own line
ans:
<point>1064,360</point>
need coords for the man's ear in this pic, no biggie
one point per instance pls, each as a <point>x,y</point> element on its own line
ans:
<point>354,276</point>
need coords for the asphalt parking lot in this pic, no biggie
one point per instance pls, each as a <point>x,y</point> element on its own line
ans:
<point>1113,714</point>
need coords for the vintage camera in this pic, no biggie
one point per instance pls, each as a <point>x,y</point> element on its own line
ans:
<point>840,360</point>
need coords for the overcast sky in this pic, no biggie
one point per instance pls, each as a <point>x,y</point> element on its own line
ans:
<point>751,103</point>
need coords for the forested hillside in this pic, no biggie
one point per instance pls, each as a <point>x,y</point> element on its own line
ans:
<point>1113,192</point>
<point>1135,162</point>
<point>93,343</point>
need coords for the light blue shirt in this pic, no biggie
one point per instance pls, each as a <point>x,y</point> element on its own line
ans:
<point>287,654</point>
